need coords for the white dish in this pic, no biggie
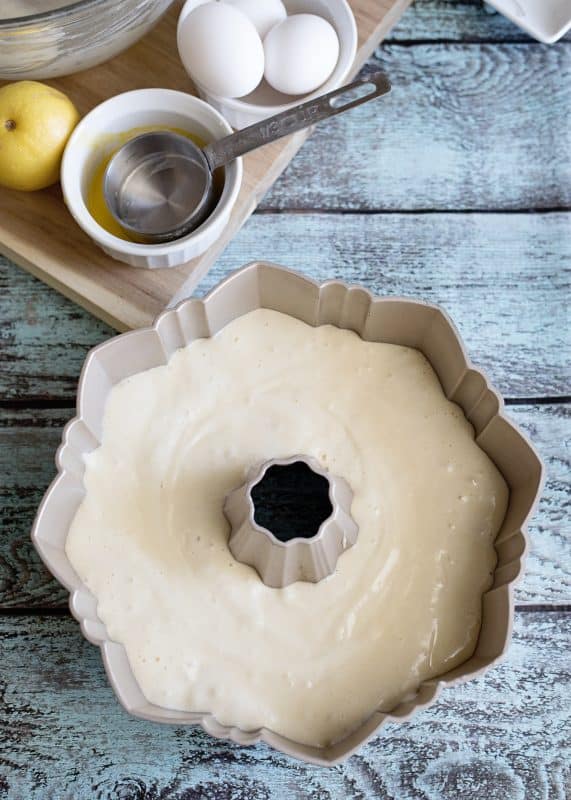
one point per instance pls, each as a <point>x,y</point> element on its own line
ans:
<point>132,110</point>
<point>545,20</point>
<point>265,101</point>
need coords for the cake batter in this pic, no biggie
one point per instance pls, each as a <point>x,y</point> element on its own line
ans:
<point>201,630</point>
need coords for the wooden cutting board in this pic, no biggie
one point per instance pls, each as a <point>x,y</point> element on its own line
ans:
<point>37,232</point>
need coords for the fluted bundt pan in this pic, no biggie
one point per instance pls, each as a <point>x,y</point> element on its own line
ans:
<point>394,320</point>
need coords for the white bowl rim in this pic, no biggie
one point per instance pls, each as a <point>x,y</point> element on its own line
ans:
<point>238,104</point>
<point>70,179</point>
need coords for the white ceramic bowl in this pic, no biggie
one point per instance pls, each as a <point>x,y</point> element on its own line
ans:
<point>87,146</point>
<point>265,101</point>
<point>545,20</point>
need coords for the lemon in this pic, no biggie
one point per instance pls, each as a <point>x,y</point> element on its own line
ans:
<point>35,123</point>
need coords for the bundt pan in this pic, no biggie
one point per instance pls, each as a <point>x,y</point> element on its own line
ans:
<point>393,320</point>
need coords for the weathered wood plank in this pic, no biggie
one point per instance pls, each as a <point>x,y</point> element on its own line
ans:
<point>503,735</point>
<point>28,440</point>
<point>465,127</point>
<point>44,338</point>
<point>456,20</point>
<point>502,277</point>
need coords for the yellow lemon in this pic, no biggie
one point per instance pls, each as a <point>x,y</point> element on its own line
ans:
<point>35,124</point>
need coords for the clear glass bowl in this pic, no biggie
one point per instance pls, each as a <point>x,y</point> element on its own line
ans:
<point>49,38</point>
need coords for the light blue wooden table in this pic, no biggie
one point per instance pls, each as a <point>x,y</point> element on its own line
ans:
<point>457,190</point>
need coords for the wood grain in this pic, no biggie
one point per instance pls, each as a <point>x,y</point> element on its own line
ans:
<point>44,339</point>
<point>463,128</point>
<point>503,278</point>
<point>456,21</point>
<point>28,440</point>
<point>504,735</point>
<point>36,230</point>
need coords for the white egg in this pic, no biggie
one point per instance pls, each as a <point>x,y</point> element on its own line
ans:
<point>221,49</point>
<point>263,13</point>
<point>301,53</point>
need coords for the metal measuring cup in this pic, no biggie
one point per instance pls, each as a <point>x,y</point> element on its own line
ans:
<point>159,185</point>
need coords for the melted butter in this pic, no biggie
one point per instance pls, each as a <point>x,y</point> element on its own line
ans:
<point>108,144</point>
<point>202,632</point>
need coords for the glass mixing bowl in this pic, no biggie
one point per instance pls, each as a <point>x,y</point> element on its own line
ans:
<point>48,38</point>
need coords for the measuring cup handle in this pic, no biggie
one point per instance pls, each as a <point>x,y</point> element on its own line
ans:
<point>294,119</point>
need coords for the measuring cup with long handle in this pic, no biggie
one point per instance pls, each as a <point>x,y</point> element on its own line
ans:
<point>159,186</point>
